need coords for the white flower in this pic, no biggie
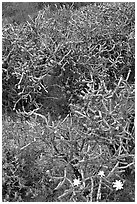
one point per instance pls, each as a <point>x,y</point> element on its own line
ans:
<point>118,185</point>
<point>101,173</point>
<point>76,182</point>
<point>48,172</point>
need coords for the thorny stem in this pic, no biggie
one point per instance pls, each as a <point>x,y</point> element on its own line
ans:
<point>91,190</point>
<point>111,172</point>
<point>99,190</point>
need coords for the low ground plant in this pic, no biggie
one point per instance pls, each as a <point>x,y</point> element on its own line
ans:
<point>69,105</point>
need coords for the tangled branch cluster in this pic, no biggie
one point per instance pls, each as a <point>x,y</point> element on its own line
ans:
<point>92,140</point>
<point>49,59</point>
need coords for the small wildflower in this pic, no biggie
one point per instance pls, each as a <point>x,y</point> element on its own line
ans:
<point>101,174</point>
<point>62,138</point>
<point>118,185</point>
<point>76,182</point>
<point>48,172</point>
